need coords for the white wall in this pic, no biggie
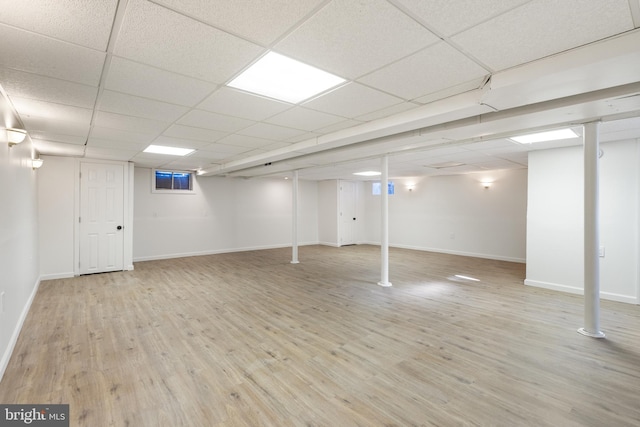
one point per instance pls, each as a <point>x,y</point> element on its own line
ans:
<point>19,272</point>
<point>224,214</point>
<point>328,212</point>
<point>556,218</point>
<point>56,184</point>
<point>455,214</point>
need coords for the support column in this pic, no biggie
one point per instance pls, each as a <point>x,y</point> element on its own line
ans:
<point>384,220</point>
<point>294,219</point>
<point>591,233</point>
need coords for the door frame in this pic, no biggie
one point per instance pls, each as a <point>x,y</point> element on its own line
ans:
<point>127,183</point>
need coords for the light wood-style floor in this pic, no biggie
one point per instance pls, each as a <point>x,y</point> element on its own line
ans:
<point>248,339</point>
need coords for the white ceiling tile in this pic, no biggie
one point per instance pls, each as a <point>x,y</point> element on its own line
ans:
<point>149,82</point>
<point>241,104</point>
<point>345,124</point>
<point>305,119</point>
<point>351,38</point>
<point>129,123</point>
<point>58,148</point>
<point>276,16</point>
<point>496,144</point>
<point>224,148</point>
<point>51,111</point>
<point>269,131</point>
<point>152,160</point>
<point>189,132</point>
<point>452,90</point>
<point>39,124</point>
<point>353,100</point>
<point>84,23</point>
<point>619,125</point>
<point>126,136</point>
<point>496,164</point>
<point>56,137</point>
<point>245,141</point>
<point>25,51</point>
<point>304,136</point>
<point>386,112</point>
<point>129,146</point>
<point>35,86</point>
<point>449,17</point>
<point>516,37</point>
<point>443,65</point>
<point>206,157</point>
<point>188,163</point>
<point>115,102</point>
<point>154,35</point>
<point>110,153</point>
<point>214,121</point>
<point>470,157</point>
<point>253,152</point>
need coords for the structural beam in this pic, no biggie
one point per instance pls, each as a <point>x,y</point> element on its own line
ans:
<point>384,220</point>
<point>591,233</point>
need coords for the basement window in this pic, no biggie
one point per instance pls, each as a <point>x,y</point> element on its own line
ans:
<point>376,188</point>
<point>175,182</point>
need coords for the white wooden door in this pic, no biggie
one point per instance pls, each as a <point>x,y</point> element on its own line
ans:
<point>347,213</point>
<point>101,217</point>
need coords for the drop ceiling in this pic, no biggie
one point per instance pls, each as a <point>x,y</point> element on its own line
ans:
<point>427,82</point>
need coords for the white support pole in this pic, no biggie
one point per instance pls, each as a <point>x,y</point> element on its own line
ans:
<point>384,219</point>
<point>591,233</point>
<point>294,219</point>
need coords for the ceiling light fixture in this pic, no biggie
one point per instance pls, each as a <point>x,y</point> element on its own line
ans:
<point>367,173</point>
<point>553,135</point>
<point>36,163</point>
<point>172,151</point>
<point>15,136</point>
<point>277,76</point>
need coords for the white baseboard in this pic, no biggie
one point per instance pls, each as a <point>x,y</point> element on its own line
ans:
<point>579,291</point>
<point>57,276</point>
<point>16,332</point>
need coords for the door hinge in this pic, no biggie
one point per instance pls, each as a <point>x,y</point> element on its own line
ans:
<point>79,219</point>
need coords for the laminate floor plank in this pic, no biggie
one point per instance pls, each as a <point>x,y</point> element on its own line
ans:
<point>249,339</point>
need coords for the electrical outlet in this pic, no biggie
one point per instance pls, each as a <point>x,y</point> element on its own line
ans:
<point>601,252</point>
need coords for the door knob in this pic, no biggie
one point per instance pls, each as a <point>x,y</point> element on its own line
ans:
<point>119,227</point>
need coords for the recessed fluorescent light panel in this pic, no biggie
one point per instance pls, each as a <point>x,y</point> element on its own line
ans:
<point>286,79</point>
<point>368,173</point>
<point>172,151</point>
<point>553,135</point>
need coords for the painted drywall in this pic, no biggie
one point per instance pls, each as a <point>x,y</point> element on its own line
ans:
<point>19,271</point>
<point>328,212</point>
<point>455,214</point>
<point>556,218</point>
<point>222,215</point>
<point>56,183</point>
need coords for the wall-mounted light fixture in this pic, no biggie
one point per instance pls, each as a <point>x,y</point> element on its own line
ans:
<point>36,163</point>
<point>411,186</point>
<point>487,184</point>
<point>15,136</point>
